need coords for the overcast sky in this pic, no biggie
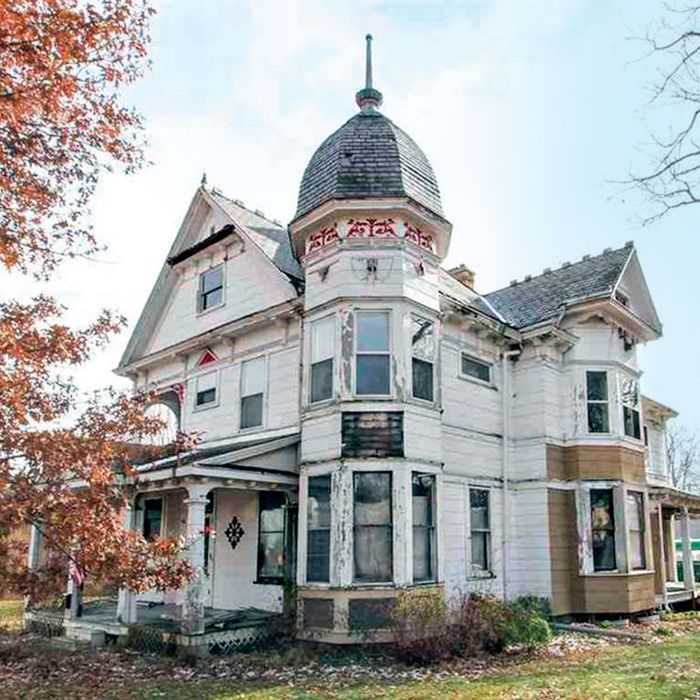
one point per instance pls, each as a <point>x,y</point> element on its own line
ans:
<point>526,110</point>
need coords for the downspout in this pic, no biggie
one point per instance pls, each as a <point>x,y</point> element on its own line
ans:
<point>507,355</point>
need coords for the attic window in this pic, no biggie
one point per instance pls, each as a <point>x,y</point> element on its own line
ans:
<point>622,299</point>
<point>471,367</point>
<point>211,288</point>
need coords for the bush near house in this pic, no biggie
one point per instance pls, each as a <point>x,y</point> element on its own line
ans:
<point>427,629</point>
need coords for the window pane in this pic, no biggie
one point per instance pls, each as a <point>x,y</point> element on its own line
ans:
<point>423,485</point>
<point>213,298</point>
<point>598,418</point>
<point>318,556</point>
<point>422,338</point>
<point>422,379</point>
<point>372,331</point>
<point>251,411</point>
<point>373,553</point>
<point>597,386</point>
<point>271,555</point>
<point>319,502</point>
<point>603,530</point>
<point>206,381</point>
<point>253,376</point>
<point>212,279</point>
<point>480,549</point>
<point>372,374</point>
<point>271,512</point>
<point>322,339</point>
<point>322,380</point>
<point>634,508</point>
<point>479,509</point>
<point>422,554</point>
<point>631,421</point>
<point>205,397</point>
<point>152,518</point>
<point>474,368</point>
<point>372,498</point>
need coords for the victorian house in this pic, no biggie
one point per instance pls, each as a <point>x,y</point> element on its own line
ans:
<point>370,423</point>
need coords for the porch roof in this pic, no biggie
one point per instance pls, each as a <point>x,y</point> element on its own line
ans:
<point>675,498</point>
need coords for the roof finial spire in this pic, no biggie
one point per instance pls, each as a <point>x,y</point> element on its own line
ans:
<point>368,99</point>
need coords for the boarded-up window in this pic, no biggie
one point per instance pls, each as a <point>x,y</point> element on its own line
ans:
<point>480,524</point>
<point>211,288</point>
<point>372,527</point>
<point>423,357</point>
<point>372,434</point>
<point>635,525</point>
<point>603,530</point>
<point>252,392</point>
<point>471,367</point>
<point>372,353</point>
<point>322,351</point>
<point>271,536</point>
<point>318,526</point>
<point>423,514</point>
<point>597,402</point>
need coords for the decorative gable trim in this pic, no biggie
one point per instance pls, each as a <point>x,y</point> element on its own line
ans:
<point>206,358</point>
<point>214,238</point>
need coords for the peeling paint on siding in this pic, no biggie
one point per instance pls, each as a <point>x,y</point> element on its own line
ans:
<point>347,330</point>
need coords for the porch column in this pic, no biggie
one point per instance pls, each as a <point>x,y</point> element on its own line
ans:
<point>688,572</point>
<point>126,602</point>
<point>670,549</point>
<point>33,554</point>
<point>193,606</point>
<point>660,554</point>
<point>74,593</point>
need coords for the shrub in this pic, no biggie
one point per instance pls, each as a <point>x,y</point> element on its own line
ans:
<point>534,604</point>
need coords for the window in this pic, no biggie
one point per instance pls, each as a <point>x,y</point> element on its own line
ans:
<point>206,390</point>
<point>634,505</point>
<point>597,402</point>
<point>423,357</point>
<point>603,530</point>
<point>322,350</point>
<point>152,518</point>
<point>271,536</point>
<point>423,527</point>
<point>318,526</point>
<point>372,527</point>
<point>372,359</point>
<point>630,408</point>
<point>475,368</point>
<point>480,522</point>
<point>211,288</point>
<point>252,392</point>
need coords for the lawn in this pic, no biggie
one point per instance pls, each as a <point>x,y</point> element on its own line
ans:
<point>667,669</point>
<point>11,615</point>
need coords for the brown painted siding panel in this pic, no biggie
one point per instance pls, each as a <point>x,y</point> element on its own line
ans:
<point>595,462</point>
<point>366,434</point>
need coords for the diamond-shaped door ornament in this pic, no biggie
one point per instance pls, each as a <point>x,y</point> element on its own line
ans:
<point>234,532</point>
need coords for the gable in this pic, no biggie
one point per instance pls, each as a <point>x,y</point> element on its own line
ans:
<point>632,291</point>
<point>212,236</point>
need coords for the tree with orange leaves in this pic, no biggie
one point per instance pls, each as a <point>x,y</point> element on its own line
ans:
<point>63,470</point>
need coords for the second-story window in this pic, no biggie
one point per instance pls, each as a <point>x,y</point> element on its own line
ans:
<point>423,357</point>
<point>322,350</point>
<point>211,288</point>
<point>471,367</point>
<point>206,390</point>
<point>252,392</point>
<point>372,353</point>
<point>597,402</point>
<point>630,408</point>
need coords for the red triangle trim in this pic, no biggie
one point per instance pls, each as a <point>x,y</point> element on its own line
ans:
<point>207,358</point>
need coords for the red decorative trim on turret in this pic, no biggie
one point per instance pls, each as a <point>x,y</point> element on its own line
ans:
<point>371,228</point>
<point>415,235</point>
<point>207,358</point>
<point>327,235</point>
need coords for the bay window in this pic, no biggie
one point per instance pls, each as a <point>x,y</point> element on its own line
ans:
<point>634,510</point>
<point>603,530</point>
<point>318,527</point>
<point>252,392</point>
<point>423,515</point>
<point>423,357</point>
<point>480,527</point>
<point>271,517</point>
<point>630,408</point>
<point>372,353</point>
<point>597,402</point>
<point>322,351</point>
<point>372,533</point>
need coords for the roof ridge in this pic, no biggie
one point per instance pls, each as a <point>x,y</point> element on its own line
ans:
<point>565,265</point>
<point>255,212</point>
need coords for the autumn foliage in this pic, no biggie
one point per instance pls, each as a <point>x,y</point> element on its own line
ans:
<point>65,459</point>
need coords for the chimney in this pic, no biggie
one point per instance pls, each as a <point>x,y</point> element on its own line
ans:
<point>463,274</point>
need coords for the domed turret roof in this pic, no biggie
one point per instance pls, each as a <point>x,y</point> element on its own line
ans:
<point>368,157</point>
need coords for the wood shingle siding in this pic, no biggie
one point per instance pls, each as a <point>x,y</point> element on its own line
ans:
<point>595,462</point>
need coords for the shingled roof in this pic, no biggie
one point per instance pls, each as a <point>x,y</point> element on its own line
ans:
<point>369,156</point>
<point>271,237</point>
<point>541,298</point>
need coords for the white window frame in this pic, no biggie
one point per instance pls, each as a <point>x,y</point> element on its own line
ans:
<point>332,357</point>
<point>432,362</point>
<point>390,352</point>
<point>598,401</point>
<point>200,279</point>
<point>472,572</point>
<point>638,409</point>
<point>471,378</point>
<point>263,412</point>
<point>217,389</point>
